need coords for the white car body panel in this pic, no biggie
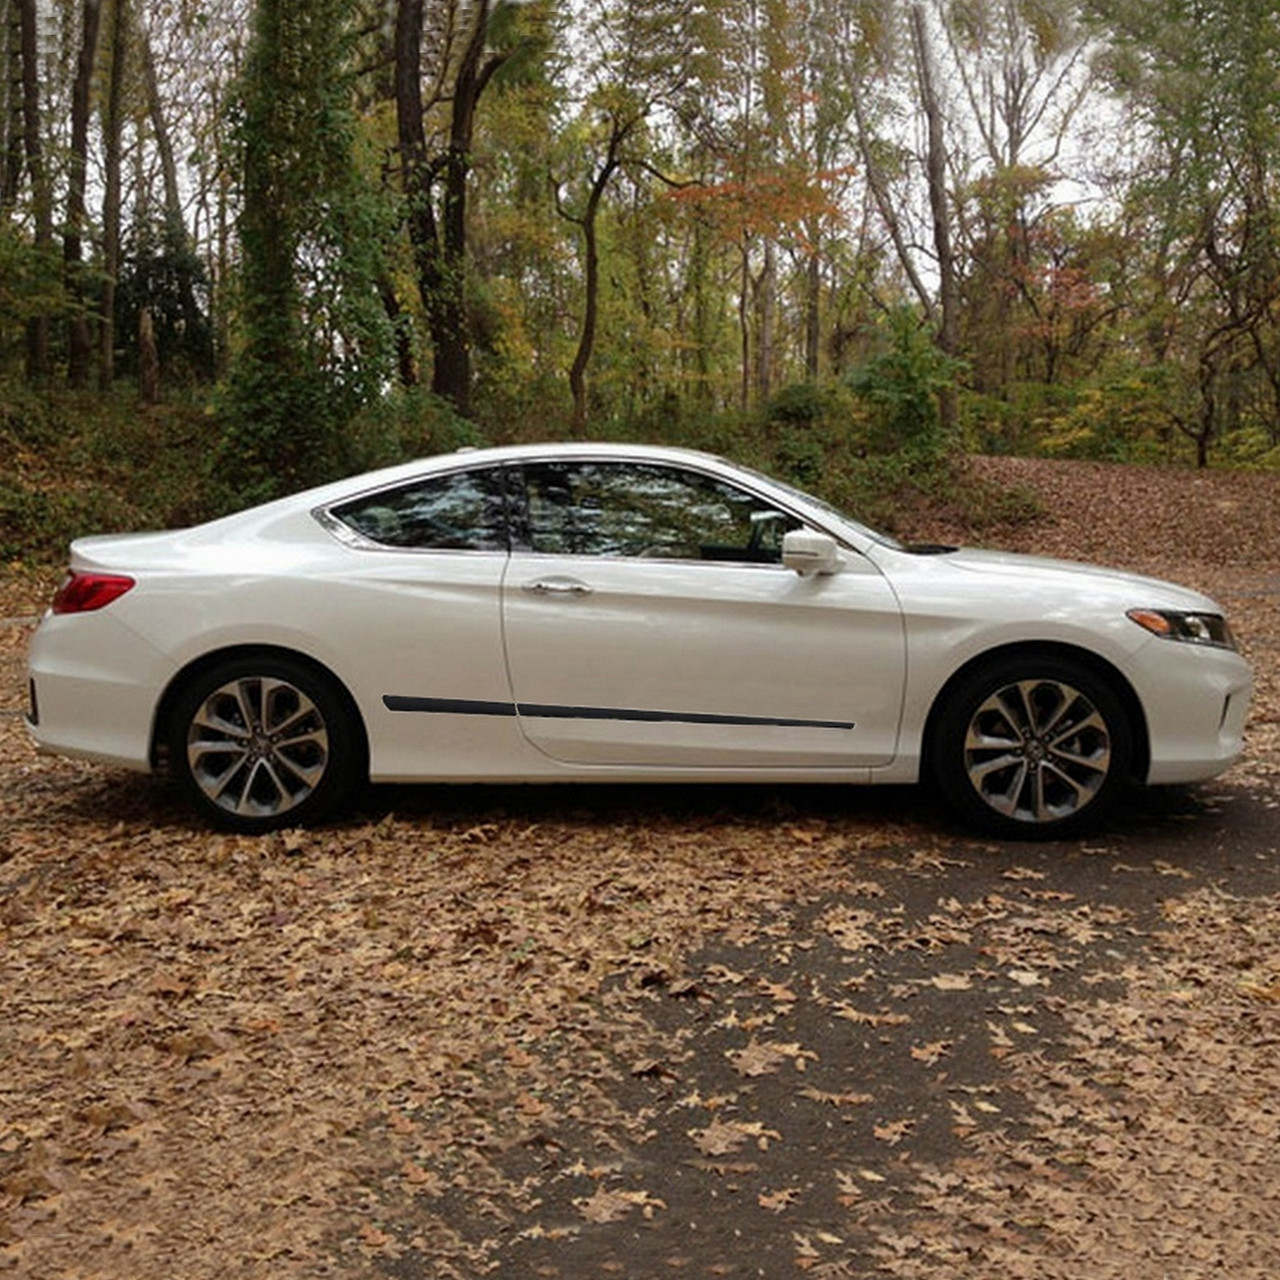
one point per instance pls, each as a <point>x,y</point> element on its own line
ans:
<point>97,688</point>
<point>716,652</point>
<point>1028,600</point>
<point>801,672</point>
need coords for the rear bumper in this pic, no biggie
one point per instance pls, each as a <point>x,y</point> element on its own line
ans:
<point>92,690</point>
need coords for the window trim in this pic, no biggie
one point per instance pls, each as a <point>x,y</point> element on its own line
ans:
<point>516,508</point>
<point>518,521</point>
<point>354,540</point>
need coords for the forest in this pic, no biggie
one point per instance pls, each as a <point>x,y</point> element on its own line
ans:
<point>248,245</point>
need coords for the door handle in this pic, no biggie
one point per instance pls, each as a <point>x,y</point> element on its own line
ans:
<point>557,587</point>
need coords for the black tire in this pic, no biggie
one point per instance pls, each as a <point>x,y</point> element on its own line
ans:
<point>1032,748</point>
<point>263,742</point>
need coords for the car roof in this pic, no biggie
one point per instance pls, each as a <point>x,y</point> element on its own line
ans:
<point>494,455</point>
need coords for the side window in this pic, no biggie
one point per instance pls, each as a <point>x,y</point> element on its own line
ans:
<point>642,509</point>
<point>465,511</point>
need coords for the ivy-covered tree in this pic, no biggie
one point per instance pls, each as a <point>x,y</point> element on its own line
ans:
<point>316,343</point>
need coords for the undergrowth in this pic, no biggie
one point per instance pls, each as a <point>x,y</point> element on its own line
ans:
<point>85,464</point>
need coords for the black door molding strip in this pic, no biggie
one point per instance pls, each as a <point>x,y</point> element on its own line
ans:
<point>550,711</point>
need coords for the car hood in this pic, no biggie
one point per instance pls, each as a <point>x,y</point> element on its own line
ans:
<point>1010,571</point>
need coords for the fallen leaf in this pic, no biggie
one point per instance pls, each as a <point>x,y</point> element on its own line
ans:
<point>835,1099</point>
<point>723,1137</point>
<point>777,1201</point>
<point>607,1205</point>
<point>931,1053</point>
<point>850,1014</point>
<point>759,1059</point>
<point>1027,978</point>
<point>894,1132</point>
<point>776,991</point>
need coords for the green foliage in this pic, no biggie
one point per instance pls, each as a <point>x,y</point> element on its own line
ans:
<point>1125,418</point>
<point>406,423</point>
<point>30,285</point>
<point>317,344</point>
<point>899,388</point>
<point>802,404</point>
<point>1016,422</point>
<point>161,271</point>
<point>84,464</point>
<point>81,464</point>
<point>1202,81</point>
<point>814,428</point>
<point>1253,448</point>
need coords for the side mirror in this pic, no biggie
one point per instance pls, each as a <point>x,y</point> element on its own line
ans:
<point>808,551</point>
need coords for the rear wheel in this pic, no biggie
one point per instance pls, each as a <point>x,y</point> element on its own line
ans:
<point>1033,748</point>
<point>264,742</point>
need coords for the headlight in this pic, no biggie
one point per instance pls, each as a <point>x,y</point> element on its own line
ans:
<point>1193,628</point>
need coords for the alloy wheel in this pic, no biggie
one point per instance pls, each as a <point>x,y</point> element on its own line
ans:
<point>257,746</point>
<point>1037,751</point>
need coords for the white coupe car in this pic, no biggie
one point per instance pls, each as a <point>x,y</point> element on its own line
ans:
<point>604,612</point>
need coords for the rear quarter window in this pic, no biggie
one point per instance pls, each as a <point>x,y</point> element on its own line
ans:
<point>463,511</point>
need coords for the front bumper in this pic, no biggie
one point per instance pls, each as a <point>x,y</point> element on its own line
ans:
<point>1197,702</point>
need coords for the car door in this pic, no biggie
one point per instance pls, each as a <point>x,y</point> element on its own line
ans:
<point>648,620</point>
<point>419,618</point>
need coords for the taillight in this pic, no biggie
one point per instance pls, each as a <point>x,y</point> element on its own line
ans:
<point>85,592</point>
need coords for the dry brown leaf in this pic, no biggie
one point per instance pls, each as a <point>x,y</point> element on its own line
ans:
<point>607,1205</point>
<point>777,1201</point>
<point>894,1132</point>
<point>850,1014</point>
<point>835,1099</point>
<point>760,1059</point>
<point>724,1137</point>
<point>930,1054</point>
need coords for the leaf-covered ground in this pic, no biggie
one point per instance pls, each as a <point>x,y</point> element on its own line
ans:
<point>699,1032</point>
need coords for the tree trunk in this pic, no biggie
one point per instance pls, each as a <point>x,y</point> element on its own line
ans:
<point>767,305</point>
<point>939,207</point>
<point>813,315</point>
<point>744,326</point>
<point>1208,418</point>
<point>440,244</point>
<point>590,307</point>
<point>878,184</point>
<point>702,311</point>
<point>451,376</point>
<point>148,359</point>
<point>177,238</point>
<point>591,272</point>
<point>417,175</point>
<point>406,362</point>
<point>160,131</point>
<point>79,339</point>
<point>112,128</point>
<point>41,196</point>
<point>11,100</point>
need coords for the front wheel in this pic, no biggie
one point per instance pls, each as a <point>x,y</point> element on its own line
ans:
<point>1033,748</point>
<point>264,742</point>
